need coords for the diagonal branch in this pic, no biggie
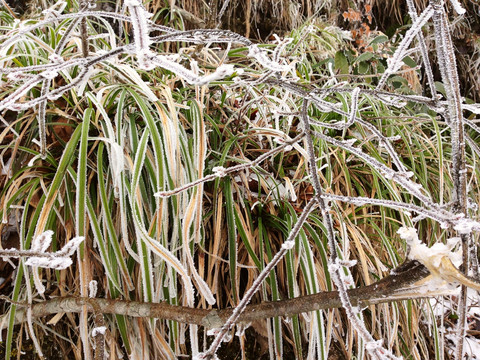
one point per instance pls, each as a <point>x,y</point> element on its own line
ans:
<point>399,285</point>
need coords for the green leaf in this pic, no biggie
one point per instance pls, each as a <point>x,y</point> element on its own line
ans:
<point>380,39</point>
<point>341,63</point>
<point>364,57</point>
<point>409,61</point>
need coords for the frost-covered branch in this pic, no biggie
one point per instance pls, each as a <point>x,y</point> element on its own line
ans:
<point>374,347</point>
<point>395,62</point>
<point>287,245</point>
<point>34,86</point>
<point>219,171</point>
<point>38,256</point>
<point>454,117</point>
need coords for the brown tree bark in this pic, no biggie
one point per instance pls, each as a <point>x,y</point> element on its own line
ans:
<point>400,285</point>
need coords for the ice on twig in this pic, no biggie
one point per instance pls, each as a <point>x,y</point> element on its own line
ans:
<point>395,62</point>
<point>372,346</point>
<point>141,33</point>
<point>261,56</point>
<point>222,72</point>
<point>474,108</point>
<point>346,263</point>
<point>70,247</point>
<point>55,58</point>
<point>458,7</point>
<point>58,260</point>
<point>408,234</point>
<point>92,288</point>
<point>57,263</point>
<point>168,62</point>
<point>49,74</point>
<point>216,331</point>
<point>287,245</point>
<point>466,226</point>
<point>281,141</point>
<point>100,330</point>
<point>203,356</point>
<point>219,171</point>
<point>42,241</point>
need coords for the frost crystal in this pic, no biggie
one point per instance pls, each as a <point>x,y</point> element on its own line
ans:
<point>71,246</point>
<point>92,288</point>
<point>347,263</point>
<point>458,7</point>
<point>49,74</point>
<point>466,226</point>
<point>374,345</point>
<point>100,330</point>
<point>55,58</point>
<point>219,171</point>
<point>57,263</point>
<point>255,52</point>
<point>408,234</point>
<point>287,245</point>
<point>42,241</point>
<point>216,331</point>
<point>202,356</point>
<point>395,62</point>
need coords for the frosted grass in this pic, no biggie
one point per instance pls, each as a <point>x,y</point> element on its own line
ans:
<point>166,154</point>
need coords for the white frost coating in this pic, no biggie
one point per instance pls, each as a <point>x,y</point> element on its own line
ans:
<point>168,62</point>
<point>57,263</point>
<point>474,108</point>
<point>141,33</point>
<point>466,226</point>
<point>70,247</point>
<point>118,163</point>
<point>144,57</point>
<point>394,138</point>
<point>83,83</point>
<point>55,58</point>
<point>49,74</point>
<point>100,330</point>
<point>216,331</point>
<point>354,106</point>
<point>202,356</point>
<point>350,142</point>
<point>433,255</point>
<point>395,62</point>
<point>407,174</point>
<point>409,234</point>
<point>290,189</point>
<point>219,171</point>
<point>241,329</point>
<point>458,7</point>
<point>213,332</point>
<point>347,263</point>
<point>221,72</point>
<point>92,288</point>
<point>261,56</point>
<point>287,245</point>
<point>280,48</point>
<point>371,346</point>
<point>333,267</point>
<point>42,241</point>
<point>132,3</point>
